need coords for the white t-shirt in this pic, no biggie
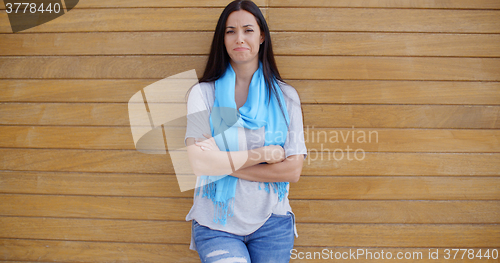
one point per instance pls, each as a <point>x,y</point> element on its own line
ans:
<point>252,207</point>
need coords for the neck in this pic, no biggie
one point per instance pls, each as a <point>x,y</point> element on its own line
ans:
<point>244,72</point>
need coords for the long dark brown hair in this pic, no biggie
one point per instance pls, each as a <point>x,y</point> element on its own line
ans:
<point>218,60</point>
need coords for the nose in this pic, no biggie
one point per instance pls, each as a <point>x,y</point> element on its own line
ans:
<point>239,39</point>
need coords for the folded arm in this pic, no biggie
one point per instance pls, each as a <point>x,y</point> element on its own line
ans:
<point>286,171</point>
<point>215,162</point>
<point>206,159</point>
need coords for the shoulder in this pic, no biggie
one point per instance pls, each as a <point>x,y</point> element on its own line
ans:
<point>207,86</point>
<point>203,87</point>
<point>289,93</point>
<point>203,90</point>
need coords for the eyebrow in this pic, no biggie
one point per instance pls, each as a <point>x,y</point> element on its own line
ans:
<point>243,26</point>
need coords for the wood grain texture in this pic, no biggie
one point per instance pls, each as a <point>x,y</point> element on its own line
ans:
<point>310,91</point>
<point>386,44</point>
<point>106,43</point>
<point>384,20</point>
<point>388,68</point>
<point>97,184</point>
<point>279,19</point>
<point>422,74</point>
<point>452,4</point>
<point>75,251</point>
<point>99,66</point>
<point>328,162</point>
<point>370,140</point>
<point>173,232</point>
<point>315,116</point>
<point>403,140</point>
<point>455,4</point>
<point>397,92</point>
<point>400,116</point>
<point>306,211</point>
<point>395,188</point>
<point>154,3</point>
<point>308,188</point>
<point>130,19</point>
<point>407,212</point>
<point>284,43</point>
<point>388,235</point>
<point>291,67</point>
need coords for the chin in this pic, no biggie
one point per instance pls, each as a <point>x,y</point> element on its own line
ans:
<point>240,60</point>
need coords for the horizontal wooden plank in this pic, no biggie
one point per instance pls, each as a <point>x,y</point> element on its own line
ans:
<point>400,116</point>
<point>131,19</point>
<point>168,232</point>
<point>329,162</point>
<point>395,188</point>
<point>388,68</point>
<point>279,19</point>
<point>77,251</point>
<point>99,66</point>
<point>399,235</point>
<point>315,116</point>
<point>106,43</point>
<point>308,188</point>
<point>366,255</point>
<point>154,3</point>
<point>64,114</point>
<point>310,211</point>
<point>458,4</point>
<point>384,20</point>
<point>284,43</point>
<point>310,91</point>
<point>408,212</point>
<point>75,90</point>
<point>385,44</point>
<point>291,67</point>
<point>92,207</point>
<point>137,231</point>
<point>370,140</point>
<point>98,184</point>
<point>396,92</point>
<point>349,161</point>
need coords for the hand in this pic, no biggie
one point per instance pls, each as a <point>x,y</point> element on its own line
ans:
<point>274,154</point>
<point>207,144</point>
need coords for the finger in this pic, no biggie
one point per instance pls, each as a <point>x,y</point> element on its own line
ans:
<point>205,144</point>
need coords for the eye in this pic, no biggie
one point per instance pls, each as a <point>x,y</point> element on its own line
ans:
<point>229,32</point>
<point>249,30</point>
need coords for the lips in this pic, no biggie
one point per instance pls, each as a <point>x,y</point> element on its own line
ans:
<point>240,49</point>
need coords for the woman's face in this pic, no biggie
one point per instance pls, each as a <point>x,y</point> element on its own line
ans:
<point>242,37</point>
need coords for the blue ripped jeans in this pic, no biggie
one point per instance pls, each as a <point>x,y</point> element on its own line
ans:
<point>272,242</point>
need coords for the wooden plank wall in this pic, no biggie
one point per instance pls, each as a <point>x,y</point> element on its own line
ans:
<point>422,75</point>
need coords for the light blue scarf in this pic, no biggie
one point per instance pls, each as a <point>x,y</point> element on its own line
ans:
<point>225,120</point>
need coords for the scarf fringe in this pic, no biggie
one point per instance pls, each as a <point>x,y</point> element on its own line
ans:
<point>279,187</point>
<point>222,209</point>
<point>225,209</point>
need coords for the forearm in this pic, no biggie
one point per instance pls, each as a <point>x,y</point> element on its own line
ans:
<point>221,162</point>
<point>286,171</point>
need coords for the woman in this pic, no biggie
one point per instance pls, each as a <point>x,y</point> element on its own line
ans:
<point>245,122</point>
